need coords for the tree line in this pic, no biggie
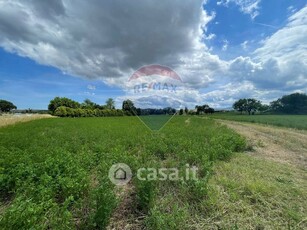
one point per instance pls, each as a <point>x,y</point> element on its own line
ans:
<point>65,107</point>
<point>295,103</point>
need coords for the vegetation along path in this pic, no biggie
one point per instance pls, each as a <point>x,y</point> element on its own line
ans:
<point>263,188</point>
<point>278,144</point>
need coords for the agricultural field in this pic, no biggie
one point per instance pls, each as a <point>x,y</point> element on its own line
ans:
<point>54,172</point>
<point>290,121</point>
<point>54,175</point>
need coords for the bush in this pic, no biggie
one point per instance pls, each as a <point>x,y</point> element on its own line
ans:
<point>61,111</point>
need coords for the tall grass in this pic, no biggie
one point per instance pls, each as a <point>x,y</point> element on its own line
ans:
<point>9,119</point>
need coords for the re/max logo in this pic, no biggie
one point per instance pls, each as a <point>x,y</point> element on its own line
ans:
<point>155,86</point>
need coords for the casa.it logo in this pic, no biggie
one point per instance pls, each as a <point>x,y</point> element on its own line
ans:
<point>155,78</point>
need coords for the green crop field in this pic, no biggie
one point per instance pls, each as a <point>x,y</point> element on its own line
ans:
<point>291,121</point>
<point>54,172</point>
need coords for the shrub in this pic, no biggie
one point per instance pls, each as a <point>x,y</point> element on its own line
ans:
<point>61,111</point>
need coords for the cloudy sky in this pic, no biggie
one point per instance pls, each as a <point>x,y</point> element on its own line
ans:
<point>223,50</point>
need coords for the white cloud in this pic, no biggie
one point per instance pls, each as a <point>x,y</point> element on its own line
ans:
<point>225,45</point>
<point>291,9</point>
<point>210,37</point>
<point>283,56</point>
<point>105,39</point>
<point>244,45</point>
<point>250,7</point>
<point>91,87</point>
<point>108,41</point>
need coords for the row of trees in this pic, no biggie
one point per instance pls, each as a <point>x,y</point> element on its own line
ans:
<point>87,104</point>
<point>295,103</point>
<point>290,104</point>
<point>65,107</point>
<point>61,106</point>
<point>64,111</point>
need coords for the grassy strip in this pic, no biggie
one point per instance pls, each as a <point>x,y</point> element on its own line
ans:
<point>252,193</point>
<point>290,121</point>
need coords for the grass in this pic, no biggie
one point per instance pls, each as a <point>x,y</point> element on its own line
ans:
<point>8,119</point>
<point>290,121</point>
<point>251,193</point>
<point>53,172</point>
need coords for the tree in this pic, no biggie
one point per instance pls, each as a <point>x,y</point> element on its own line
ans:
<point>199,109</point>
<point>295,103</point>
<point>264,108</point>
<point>128,107</point>
<point>88,104</point>
<point>240,105</point>
<point>186,110</point>
<point>181,112</point>
<point>248,105</point>
<point>210,110</point>
<point>252,105</point>
<point>204,109</point>
<point>110,104</point>
<point>62,101</point>
<point>6,106</point>
<point>276,105</point>
<point>169,111</point>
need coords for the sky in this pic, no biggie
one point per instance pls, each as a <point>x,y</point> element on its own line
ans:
<point>222,50</point>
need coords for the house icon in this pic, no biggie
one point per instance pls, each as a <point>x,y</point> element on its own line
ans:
<point>120,174</point>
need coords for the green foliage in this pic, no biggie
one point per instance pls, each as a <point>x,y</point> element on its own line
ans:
<point>248,105</point>
<point>62,101</point>
<point>88,104</point>
<point>63,111</point>
<point>55,174</point>
<point>145,194</point>
<point>64,107</point>
<point>105,202</point>
<point>186,110</point>
<point>6,106</point>
<point>295,103</point>
<point>129,108</point>
<point>54,184</point>
<point>204,109</point>
<point>110,104</point>
<point>174,218</point>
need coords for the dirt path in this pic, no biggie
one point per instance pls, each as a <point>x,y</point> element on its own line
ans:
<point>283,145</point>
<point>126,216</point>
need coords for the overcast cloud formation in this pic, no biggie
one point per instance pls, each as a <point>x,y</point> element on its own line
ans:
<point>108,40</point>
